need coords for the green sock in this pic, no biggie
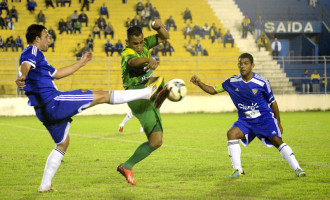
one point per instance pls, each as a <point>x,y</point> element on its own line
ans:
<point>143,151</point>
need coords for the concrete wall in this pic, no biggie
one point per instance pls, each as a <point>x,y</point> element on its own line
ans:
<point>217,103</point>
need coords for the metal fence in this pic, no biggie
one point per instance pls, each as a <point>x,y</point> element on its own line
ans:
<point>295,67</point>
<point>104,73</point>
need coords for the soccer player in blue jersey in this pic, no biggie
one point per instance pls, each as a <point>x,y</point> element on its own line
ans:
<point>55,108</point>
<point>258,114</point>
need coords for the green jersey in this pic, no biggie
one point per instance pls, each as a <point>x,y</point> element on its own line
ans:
<point>133,76</point>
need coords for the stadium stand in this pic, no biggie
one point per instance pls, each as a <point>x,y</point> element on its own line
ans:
<point>180,65</point>
<point>220,63</point>
<point>231,17</point>
<point>282,9</point>
<point>300,44</point>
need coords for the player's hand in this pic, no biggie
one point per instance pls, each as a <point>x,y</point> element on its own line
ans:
<point>20,82</point>
<point>152,63</point>
<point>86,58</point>
<point>156,24</point>
<point>195,80</point>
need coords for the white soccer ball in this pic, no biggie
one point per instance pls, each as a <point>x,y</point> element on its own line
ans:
<point>178,89</point>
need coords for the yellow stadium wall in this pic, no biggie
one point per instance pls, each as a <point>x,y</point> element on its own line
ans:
<point>212,104</point>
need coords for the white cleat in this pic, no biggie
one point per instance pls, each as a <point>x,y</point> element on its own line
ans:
<point>50,189</point>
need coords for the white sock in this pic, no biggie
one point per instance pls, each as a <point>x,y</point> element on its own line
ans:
<point>127,118</point>
<point>52,164</point>
<point>124,96</point>
<point>235,154</point>
<point>288,155</point>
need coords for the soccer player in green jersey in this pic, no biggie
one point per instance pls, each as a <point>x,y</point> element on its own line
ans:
<point>137,72</point>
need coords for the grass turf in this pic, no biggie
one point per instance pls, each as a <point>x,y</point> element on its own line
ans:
<point>193,162</point>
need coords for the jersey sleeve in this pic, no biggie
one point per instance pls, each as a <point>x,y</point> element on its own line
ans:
<point>224,86</point>
<point>269,93</point>
<point>30,56</point>
<point>52,71</point>
<point>128,54</point>
<point>151,41</point>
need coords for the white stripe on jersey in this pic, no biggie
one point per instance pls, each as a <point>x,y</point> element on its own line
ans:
<point>235,78</point>
<point>52,75</point>
<point>32,64</point>
<point>34,51</point>
<point>265,80</point>
<point>74,99</point>
<point>74,95</point>
<point>32,61</point>
<point>82,97</point>
<point>258,82</point>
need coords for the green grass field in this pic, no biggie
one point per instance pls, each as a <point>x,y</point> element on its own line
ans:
<point>193,162</point>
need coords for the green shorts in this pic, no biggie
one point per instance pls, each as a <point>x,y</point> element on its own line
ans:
<point>148,116</point>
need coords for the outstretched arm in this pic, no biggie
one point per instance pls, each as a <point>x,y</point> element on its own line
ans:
<point>66,71</point>
<point>276,112</point>
<point>163,34</point>
<point>207,88</point>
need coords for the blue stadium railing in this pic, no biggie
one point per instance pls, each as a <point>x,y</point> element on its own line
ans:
<point>294,68</point>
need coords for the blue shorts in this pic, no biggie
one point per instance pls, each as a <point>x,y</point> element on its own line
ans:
<point>56,114</point>
<point>264,127</point>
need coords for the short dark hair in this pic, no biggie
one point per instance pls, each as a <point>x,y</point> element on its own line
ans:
<point>34,31</point>
<point>246,55</point>
<point>134,31</point>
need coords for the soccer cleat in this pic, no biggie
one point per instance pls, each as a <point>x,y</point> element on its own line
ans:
<point>128,174</point>
<point>161,96</point>
<point>154,87</point>
<point>300,173</point>
<point>51,189</point>
<point>121,128</point>
<point>237,174</point>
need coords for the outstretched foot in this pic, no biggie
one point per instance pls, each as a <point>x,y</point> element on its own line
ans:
<point>300,173</point>
<point>50,189</point>
<point>128,174</point>
<point>161,96</point>
<point>237,174</point>
<point>154,87</point>
<point>121,128</point>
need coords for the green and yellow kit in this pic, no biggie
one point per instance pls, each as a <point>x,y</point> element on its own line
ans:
<point>136,78</point>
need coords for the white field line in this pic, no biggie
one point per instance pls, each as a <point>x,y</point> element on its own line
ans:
<point>279,158</point>
<point>113,139</point>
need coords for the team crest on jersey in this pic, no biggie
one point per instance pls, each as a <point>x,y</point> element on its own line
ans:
<point>83,90</point>
<point>254,91</point>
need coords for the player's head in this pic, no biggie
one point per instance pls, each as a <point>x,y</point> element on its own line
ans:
<point>37,35</point>
<point>245,64</point>
<point>135,38</point>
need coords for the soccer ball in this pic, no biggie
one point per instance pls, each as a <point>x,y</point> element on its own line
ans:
<point>178,89</point>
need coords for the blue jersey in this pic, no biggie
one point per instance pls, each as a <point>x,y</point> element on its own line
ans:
<point>40,86</point>
<point>251,98</point>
